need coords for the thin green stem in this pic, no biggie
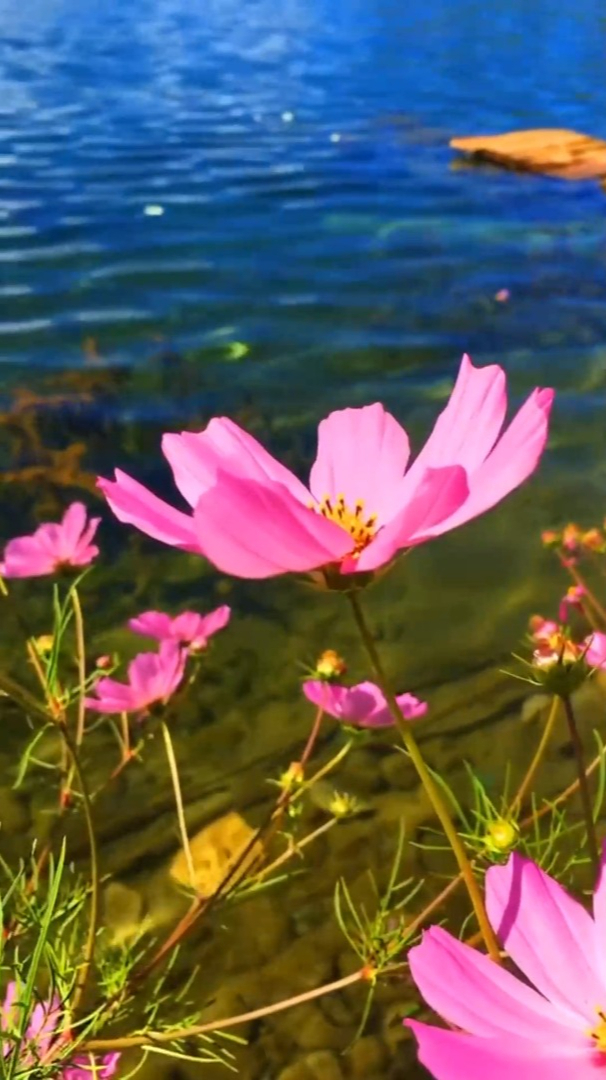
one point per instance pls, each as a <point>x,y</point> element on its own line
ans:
<point>433,792</point>
<point>174,773</point>
<point>575,739</point>
<point>89,950</point>
<point>539,754</point>
<point>81,661</point>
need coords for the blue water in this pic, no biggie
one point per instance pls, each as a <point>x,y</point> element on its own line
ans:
<point>299,153</point>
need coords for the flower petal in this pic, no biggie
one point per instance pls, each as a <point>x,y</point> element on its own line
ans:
<point>513,460</point>
<point>436,498</point>
<point>548,934</point>
<point>215,620</point>
<point>467,989</point>
<point>352,704</point>
<point>154,624</point>
<point>451,1055</point>
<point>467,429</point>
<point>111,697</point>
<point>195,458</point>
<point>599,916</point>
<point>24,557</point>
<point>72,527</point>
<point>133,504</point>
<point>362,455</point>
<point>595,651</point>
<point>412,708</point>
<point>252,530</point>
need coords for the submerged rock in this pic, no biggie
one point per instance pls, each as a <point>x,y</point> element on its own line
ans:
<point>215,849</point>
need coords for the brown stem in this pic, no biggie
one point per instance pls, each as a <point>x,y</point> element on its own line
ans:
<point>575,739</point>
<point>311,741</point>
<point>153,1038</point>
<point>590,596</point>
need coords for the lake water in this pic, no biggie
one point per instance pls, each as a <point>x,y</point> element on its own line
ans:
<point>251,208</point>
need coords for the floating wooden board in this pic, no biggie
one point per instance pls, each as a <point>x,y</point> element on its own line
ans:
<point>550,151</point>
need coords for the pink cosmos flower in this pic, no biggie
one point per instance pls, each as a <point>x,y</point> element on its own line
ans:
<point>189,628</point>
<point>595,649</point>
<point>543,630</point>
<point>151,677</point>
<point>361,706</point>
<point>572,599</point>
<point>43,1022</point>
<point>552,1026</point>
<point>253,518</point>
<point>52,546</point>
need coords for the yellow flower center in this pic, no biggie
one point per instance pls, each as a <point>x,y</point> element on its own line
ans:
<point>598,1033</point>
<point>360,527</point>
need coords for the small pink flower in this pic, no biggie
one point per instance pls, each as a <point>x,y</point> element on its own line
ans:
<point>573,598</point>
<point>253,518</point>
<point>361,706</point>
<point>52,546</point>
<point>152,677</point>
<point>502,296</point>
<point>44,1020</point>
<point>595,649</point>
<point>543,630</point>
<point>552,1025</point>
<point>189,628</point>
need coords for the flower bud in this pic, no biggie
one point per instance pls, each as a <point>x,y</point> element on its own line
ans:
<point>501,836</point>
<point>343,805</point>
<point>329,666</point>
<point>44,644</point>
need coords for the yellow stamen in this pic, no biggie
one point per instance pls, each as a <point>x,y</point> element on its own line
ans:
<point>598,1033</point>
<point>361,528</point>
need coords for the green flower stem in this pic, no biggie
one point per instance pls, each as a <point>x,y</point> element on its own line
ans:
<point>539,754</point>
<point>89,950</point>
<point>575,739</point>
<point>433,792</point>
<point>174,773</point>
<point>81,660</point>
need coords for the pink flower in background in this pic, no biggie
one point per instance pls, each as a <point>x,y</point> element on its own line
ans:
<point>44,1020</point>
<point>253,518</point>
<point>52,546</point>
<point>595,649</point>
<point>552,1026</point>
<point>573,598</point>
<point>152,677</point>
<point>361,706</point>
<point>543,630</point>
<point>188,628</point>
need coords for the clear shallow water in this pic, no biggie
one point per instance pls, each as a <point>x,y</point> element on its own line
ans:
<point>313,214</point>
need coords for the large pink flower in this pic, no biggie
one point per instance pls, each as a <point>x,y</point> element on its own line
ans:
<point>45,1018</point>
<point>551,1026</point>
<point>188,628</point>
<point>52,546</point>
<point>363,705</point>
<point>152,677</point>
<point>253,518</point>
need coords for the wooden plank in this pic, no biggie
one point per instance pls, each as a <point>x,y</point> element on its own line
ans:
<point>570,155</point>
